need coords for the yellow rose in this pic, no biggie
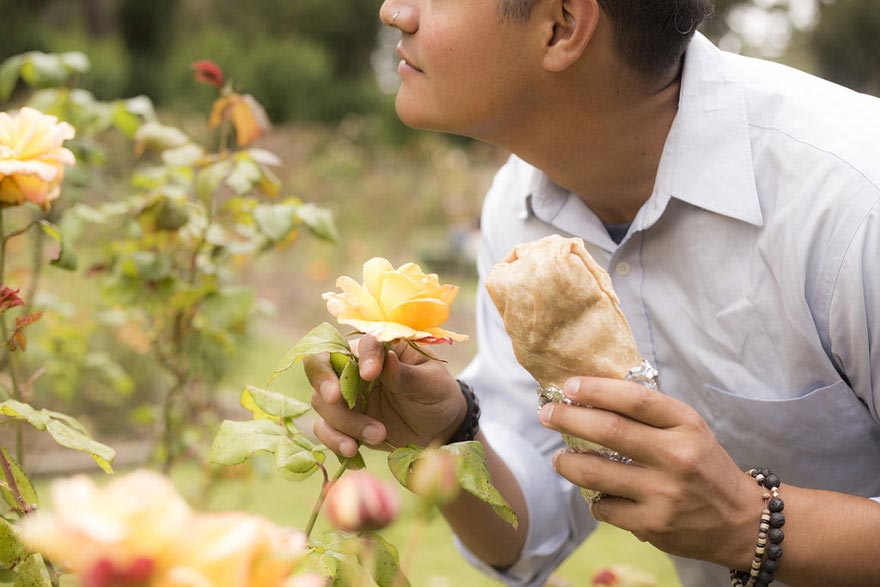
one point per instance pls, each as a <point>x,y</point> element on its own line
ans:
<point>118,529</point>
<point>32,157</point>
<point>402,303</point>
<point>233,550</point>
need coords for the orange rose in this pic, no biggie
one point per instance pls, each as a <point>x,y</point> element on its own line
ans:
<point>392,304</point>
<point>234,550</point>
<point>32,157</point>
<point>116,530</point>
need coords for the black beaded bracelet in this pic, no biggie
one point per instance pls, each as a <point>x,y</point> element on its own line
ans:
<point>767,556</point>
<point>468,429</point>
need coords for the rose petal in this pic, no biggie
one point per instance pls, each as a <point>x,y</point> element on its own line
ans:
<point>396,289</point>
<point>385,331</point>
<point>374,269</point>
<point>362,304</point>
<point>442,333</point>
<point>420,314</point>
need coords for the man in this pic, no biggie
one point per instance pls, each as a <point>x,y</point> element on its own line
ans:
<point>735,204</point>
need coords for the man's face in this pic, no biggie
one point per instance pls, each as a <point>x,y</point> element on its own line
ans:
<point>463,70</point>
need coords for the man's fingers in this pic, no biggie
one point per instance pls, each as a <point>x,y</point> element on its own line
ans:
<point>620,512</point>
<point>322,378</point>
<point>352,424</point>
<point>630,399</point>
<point>371,357</point>
<point>625,435</point>
<point>601,474</point>
<point>334,439</point>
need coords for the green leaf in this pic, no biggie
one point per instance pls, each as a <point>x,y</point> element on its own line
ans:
<point>324,338</point>
<point>21,411</point>
<point>236,442</point>
<point>125,121</point>
<point>354,463</point>
<point>66,258</point>
<point>350,383</point>
<point>70,437</point>
<point>319,220</point>
<point>209,179</point>
<point>42,70</point>
<point>9,73</point>
<point>245,175</point>
<point>401,461</point>
<point>182,156</point>
<point>385,570</point>
<point>12,551</point>
<point>294,463</point>
<point>25,487</point>
<point>270,405</point>
<point>33,573</point>
<point>472,472</point>
<point>274,221</point>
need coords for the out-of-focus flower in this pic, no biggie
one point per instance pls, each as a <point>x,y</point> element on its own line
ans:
<point>234,550</point>
<point>433,477</point>
<point>623,576</point>
<point>403,303</point>
<point>246,114</point>
<point>138,531</point>
<point>360,501</point>
<point>9,298</point>
<point>102,533</point>
<point>208,72</point>
<point>32,157</point>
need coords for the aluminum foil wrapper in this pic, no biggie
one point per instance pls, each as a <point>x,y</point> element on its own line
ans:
<point>643,374</point>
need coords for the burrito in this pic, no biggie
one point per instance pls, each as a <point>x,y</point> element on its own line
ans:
<point>564,319</point>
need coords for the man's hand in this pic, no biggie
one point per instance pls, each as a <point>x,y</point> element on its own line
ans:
<point>684,494</point>
<point>414,399</point>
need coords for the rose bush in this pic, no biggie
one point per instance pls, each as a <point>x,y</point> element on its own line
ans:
<point>32,157</point>
<point>395,304</point>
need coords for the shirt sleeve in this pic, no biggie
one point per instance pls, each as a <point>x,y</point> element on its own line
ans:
<point>559,519</point>
<point>854,317</point>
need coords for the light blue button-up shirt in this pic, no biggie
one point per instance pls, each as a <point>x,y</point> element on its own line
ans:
<point>751,281</point>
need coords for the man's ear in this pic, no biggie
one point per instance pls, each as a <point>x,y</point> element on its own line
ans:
<point>573,24</point>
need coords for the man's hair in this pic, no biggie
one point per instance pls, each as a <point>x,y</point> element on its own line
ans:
<point>651,35</point>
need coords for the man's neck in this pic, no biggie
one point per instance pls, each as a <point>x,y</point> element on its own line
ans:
<point>603,145</point>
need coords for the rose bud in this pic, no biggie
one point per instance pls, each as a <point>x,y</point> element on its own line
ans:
<point>433,478</point>
<point>360,501</point>
<point>208,72</point>
<point>622,576</point>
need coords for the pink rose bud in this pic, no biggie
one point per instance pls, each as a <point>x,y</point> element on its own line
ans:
<point>623,576</point>
<point>208,72</point>
<point>433,478</point>
<point>360,501</point>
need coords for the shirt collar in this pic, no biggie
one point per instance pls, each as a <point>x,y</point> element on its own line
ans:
<point>707,159</point>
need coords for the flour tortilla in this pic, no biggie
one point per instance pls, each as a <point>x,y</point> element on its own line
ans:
<point>561,313</point>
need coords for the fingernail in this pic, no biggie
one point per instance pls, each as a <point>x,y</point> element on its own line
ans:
<point>348,449</point>
<point>547,411</point>
<point>372,434</point>
<point>571,387</point>
<point>556,456</point>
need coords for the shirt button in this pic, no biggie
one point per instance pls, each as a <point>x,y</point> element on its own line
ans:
<point>622,269</point>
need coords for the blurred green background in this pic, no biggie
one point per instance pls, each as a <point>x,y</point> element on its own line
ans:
<point>324,71</point>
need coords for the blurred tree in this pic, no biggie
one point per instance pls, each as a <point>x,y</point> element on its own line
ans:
<point>19,26</point>
<point>346,29</point>
<point>847,44</point>
<point>146,28</point>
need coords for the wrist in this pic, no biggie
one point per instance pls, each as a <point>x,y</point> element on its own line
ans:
<point>466,424</point>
